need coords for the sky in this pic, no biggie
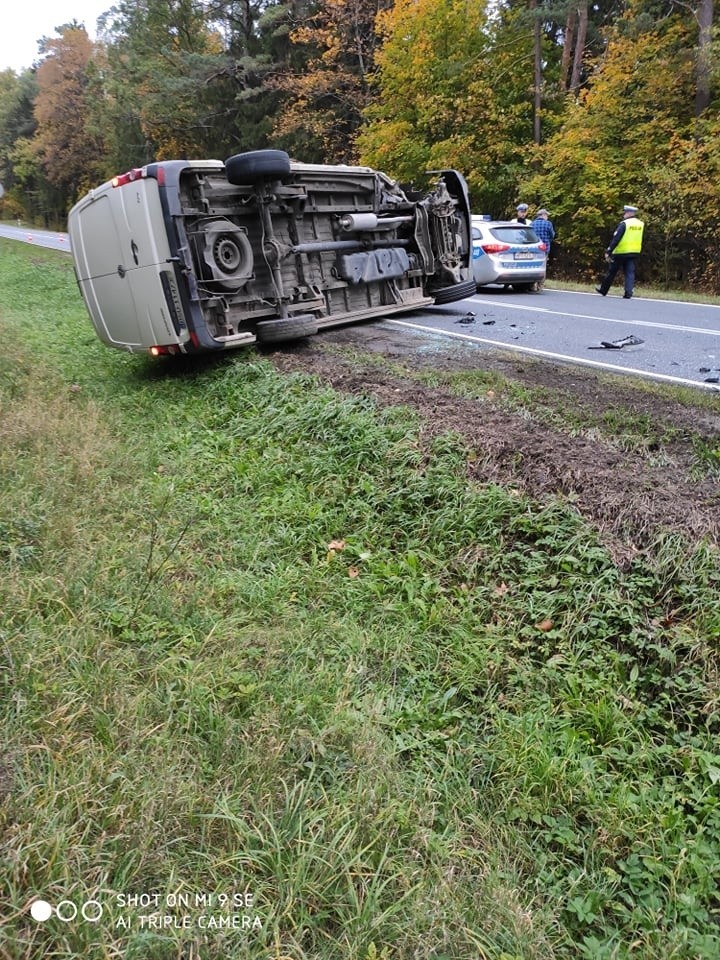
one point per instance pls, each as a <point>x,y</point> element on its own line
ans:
<point>31,20</point>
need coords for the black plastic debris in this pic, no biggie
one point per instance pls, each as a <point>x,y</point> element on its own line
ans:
<point>469,317</point>
<point>488,323</point>
<point>630,341</point>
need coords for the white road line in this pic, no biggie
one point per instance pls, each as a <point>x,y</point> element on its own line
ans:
<point>590,316</point>
<point>555,356</point>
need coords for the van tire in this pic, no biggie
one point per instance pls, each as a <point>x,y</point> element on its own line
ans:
<point>458,291</point>
<point>292,328</point>
<point>257,165</point>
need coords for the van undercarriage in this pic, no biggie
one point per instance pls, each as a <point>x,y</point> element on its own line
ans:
<point>264,248</point>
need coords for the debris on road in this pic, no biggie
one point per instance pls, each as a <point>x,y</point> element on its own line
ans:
<point>630,341</point>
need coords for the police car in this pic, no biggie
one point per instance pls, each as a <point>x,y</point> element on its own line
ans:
<point>506,253</point>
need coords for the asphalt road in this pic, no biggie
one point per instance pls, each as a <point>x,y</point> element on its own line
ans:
<point>680,340</point>
<point>42,238</point>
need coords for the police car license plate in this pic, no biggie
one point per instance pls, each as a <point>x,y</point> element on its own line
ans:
<point>524,255</point>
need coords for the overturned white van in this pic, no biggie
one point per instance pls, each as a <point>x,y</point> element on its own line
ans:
<point>185,256</point>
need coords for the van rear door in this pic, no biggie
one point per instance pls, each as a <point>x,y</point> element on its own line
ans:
<point>122,259</point>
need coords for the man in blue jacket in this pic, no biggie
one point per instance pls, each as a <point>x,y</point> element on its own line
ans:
<point>624,248</point>
<point>543,227</point>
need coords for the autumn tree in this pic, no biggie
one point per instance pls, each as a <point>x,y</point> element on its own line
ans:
<point>327,86</point>
<point>17,124</point>
<point>571,105</point>
<point>155,86</point>
<point>442,85</point>
<point>191,78</point>
<point>255,46</point>
<point>64,150</point>
<point>429,76</point>
<point>631,137</point>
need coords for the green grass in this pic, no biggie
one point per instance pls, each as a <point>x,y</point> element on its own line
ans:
<point>256,637</point>
<point>631,428</point>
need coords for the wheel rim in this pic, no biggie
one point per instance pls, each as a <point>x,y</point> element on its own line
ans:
<point>226,254</point>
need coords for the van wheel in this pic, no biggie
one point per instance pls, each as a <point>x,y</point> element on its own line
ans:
<point>458,291</point>
<point>257,165</point>
<point>293,328</point>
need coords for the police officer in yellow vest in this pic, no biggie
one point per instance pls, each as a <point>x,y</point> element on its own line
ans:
<point>624,247</point>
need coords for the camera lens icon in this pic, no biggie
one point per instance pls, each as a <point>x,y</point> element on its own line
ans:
<point>91,911</point>
<point>41,910</point>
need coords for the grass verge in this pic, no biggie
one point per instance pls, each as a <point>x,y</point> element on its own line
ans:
<point>275,672</point>
<point>652,293</point>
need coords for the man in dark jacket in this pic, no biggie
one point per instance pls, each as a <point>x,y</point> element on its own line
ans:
<point>623,250</point>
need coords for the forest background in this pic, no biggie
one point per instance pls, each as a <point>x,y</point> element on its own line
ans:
<point>574,106</point>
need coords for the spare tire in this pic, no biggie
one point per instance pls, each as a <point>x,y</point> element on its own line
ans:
<point>291,328</point>
<point>257,165</point>
<point>458,291</point>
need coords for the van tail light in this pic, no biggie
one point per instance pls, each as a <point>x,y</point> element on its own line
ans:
<point>137,173</point>
<point>495,247</point>
<point>542,245</point>
<point>162,350</point>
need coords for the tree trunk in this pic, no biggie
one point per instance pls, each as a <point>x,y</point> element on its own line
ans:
<point>703,68</point>
<point>582,12</point>
<point>568,41</point>
<point>537,72</point>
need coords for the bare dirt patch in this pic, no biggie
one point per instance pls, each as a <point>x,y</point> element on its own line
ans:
<point>631,496</point>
